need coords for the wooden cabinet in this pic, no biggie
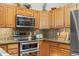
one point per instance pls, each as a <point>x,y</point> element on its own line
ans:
<point>12,46</point>
<point>10,16</point>
<point>7,16</point>
<point>64,52</point>
<point>59,17</point>
<point>48,48</point>
<point>53,50</point>
<point>24,11</point>
<point>44,21</point>
<point>12,49</point>
<point>64,49</point>
<point>77,6</point>
<point>59,49</point>
<point>20,11</point>
<point>29,12</point>
<point>2,16</point>
<point>4,47</point>
<point>37,18</point>
<point>52,16</point>
<point>43,48</point>
<point>68,9</point>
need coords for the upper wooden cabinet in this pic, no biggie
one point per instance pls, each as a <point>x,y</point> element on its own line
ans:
<point>68,9</point>
<point>2,15</point>
<point>21,11</point>
<point>44,20</point>
<point>77,6</point>
<point>7,15</point>
<point>52,18</point>
<point>10,16</point>
<point>37,18</point>
<point>24,11</point>
<point>59,17</point>
<point>29,12</point>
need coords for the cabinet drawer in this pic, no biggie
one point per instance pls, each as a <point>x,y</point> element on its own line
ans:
<point>64,52</point>
<point>53,47</point>
<point>13,51</point>
<point>12,46</point>
<point>53,44</point>
<point>64,46</point>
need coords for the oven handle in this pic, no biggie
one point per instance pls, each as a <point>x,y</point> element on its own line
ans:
<point>29,43</point>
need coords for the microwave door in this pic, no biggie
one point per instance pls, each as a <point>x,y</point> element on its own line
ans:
<point>25,22</point>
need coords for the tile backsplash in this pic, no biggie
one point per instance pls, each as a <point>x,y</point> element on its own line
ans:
<point>50,33</point>
<point>6,33</point>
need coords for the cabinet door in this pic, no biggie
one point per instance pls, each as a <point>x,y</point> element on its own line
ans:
<point>77,6</point>
<point>29,12</point>
<point>53,51</point>
<point>13,46</point>
<point>64,52</point>
<point>10,12</point>
<point>68,9</point>
<point>4,47</point>
<point>52,18</point>
<point>44,48</point>
<point>13,52</point>
<point>44,21</point>
<point>36,15</point>
<point>59,17</point>
<point>2,16</point>
<point>20,11</point>
<point>13,49</point>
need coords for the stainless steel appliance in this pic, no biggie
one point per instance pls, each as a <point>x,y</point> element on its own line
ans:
<point>21,35</point>
<point>29,48</point>
<point>28,42</point>
<point>25,21</point>
<point>74,28</point>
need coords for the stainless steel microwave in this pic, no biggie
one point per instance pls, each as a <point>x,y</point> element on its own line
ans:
<point>25,21</point>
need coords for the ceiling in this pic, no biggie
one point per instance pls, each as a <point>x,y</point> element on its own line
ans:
<point>39,6</point>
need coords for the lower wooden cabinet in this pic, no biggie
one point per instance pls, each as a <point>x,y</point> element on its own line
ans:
<point>64,52</point>
<point>12,49</point>
<point>13,52</point>
<point>4,47</point>
<point>53,51</point>
<point>43,48</point>
<point>48,48</point>
<point>12,46</point>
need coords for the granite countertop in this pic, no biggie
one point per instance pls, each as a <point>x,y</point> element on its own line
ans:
<point>60,41</point>
<point>8,41</point>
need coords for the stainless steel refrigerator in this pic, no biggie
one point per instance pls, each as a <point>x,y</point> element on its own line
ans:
<point>74,28</point>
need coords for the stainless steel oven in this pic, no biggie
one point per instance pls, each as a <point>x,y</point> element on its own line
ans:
<point>30,53</point>
<point>28,47</point>
<point>25,21</point>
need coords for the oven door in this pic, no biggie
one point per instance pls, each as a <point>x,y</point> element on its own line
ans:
<point>24,46</point>
<point>28,46</point>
